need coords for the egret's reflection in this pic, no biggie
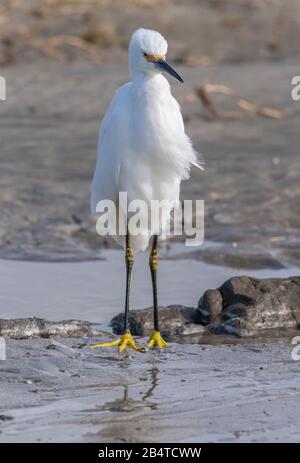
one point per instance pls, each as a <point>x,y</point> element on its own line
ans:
<point>128,404</point>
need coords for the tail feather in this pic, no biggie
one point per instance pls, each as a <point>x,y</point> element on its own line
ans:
<point>199,164</point>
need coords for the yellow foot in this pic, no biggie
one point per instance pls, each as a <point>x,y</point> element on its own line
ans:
<point>126,340</point>
<point>157,341</point>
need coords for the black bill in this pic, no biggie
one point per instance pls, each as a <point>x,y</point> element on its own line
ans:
<point>165,67</point>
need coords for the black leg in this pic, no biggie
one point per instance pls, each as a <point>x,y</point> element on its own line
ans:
<point>129,259</point>
<point>156,339</point>
<point>153,262</point>
<point>126,340</point>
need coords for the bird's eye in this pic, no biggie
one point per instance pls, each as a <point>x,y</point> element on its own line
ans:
<point>145,54</point>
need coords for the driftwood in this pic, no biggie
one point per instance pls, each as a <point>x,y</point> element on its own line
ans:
<point>247,106</point>
<point>51,47</point>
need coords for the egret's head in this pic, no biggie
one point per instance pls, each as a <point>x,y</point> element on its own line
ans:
<point>147,54</point>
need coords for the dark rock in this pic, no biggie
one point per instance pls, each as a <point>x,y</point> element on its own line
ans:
<point>174,320</point>
<point>210,306</point>
<point>23,328</point>
<point>244,305</point>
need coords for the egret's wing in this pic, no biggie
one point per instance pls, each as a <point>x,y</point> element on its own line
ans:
<point>195,158</point>
<point>105,179</point>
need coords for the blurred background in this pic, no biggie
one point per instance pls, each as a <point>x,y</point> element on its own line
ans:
<point>62,61</point>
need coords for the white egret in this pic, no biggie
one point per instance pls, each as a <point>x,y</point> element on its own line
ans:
<point>143,150</point>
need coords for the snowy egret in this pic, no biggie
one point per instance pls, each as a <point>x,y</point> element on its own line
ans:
<point>143,150</point>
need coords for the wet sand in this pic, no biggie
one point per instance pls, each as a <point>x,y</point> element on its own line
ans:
<point>53,392</point>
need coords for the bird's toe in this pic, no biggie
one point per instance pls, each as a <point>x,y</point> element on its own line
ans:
<point>156,340</point>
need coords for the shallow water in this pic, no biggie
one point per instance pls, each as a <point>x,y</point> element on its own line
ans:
<point>95,290</point>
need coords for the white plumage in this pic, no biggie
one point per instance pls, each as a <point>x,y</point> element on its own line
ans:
<point>142,148</point>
